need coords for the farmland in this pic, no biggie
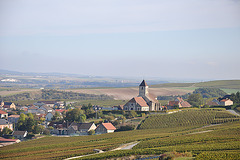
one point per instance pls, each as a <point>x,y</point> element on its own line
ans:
<point>201,141</point>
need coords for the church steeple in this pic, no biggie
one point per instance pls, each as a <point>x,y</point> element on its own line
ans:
<point>143,88</point>
<point>143,83</point>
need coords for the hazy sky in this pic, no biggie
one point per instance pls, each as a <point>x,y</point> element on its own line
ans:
<point>144,38</point>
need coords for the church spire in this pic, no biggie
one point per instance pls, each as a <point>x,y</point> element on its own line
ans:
<point>143,83</point>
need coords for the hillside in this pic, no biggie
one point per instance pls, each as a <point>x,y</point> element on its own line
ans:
<point>226,84</point>
<point>203,142</point>
<point>190,117</point>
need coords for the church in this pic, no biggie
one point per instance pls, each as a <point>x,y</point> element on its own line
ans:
<point>144,101</point>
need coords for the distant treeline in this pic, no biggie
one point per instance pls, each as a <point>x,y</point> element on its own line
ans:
<point>205,92</point>
<point>55,94</point>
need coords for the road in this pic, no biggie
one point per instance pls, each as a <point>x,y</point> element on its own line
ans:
<point>233,112</point>
<point>122,147</point>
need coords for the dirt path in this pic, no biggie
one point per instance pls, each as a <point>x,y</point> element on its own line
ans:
<point>122,147</point>
<point>233,112</point>
<point>201,132</point>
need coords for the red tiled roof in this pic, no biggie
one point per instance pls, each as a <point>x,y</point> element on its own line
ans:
<point>2,112</point>
<point>60,110</point>
<point>109,126</point>
<point>16,116</point>
<point>140,101</point>
<point>33,107</point>
<point>180,99</point>
<point>224,100</point>
<point>7,140</point>
<point>185,104</point>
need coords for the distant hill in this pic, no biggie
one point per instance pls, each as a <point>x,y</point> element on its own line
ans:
<point>227,84</point>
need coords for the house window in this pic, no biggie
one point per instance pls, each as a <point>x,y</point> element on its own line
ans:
<point>131,108</point>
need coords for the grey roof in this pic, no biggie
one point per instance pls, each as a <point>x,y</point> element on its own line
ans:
<point>143,83</point>
<point>81,125</point>
<point>7,103</point>
<point>3,122</point>
<point>19,133</point>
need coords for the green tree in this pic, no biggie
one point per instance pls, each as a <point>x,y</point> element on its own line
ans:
<point>75,115</point>
<point>91,132</point>
<point>195,100</point>
<point>5,131</point>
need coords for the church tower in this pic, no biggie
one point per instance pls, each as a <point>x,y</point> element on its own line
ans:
<point>143,89</point>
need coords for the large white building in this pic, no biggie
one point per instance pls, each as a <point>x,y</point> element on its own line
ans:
<point>144,101</point>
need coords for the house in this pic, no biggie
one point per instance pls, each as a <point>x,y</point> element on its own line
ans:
<point>47,103</point>
<point>49,116</point>
<point>8,105</point>
<point>59,128</point>
<point>32,109</point>
<point>59,104</point>
<point>105,128</point>
<point>144,101</point>
<point>4,123</point>
<point>81,128</point>
<point>19,134</point>
<point>178,102</point>
<point>24,108</point>
<point>226,102</point>
<point>13,118</point>
<point>3,114</point>
<point>214,102</point>
<point>46,108</point>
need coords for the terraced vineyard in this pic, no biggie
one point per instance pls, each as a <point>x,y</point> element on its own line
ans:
<point>191,117</point>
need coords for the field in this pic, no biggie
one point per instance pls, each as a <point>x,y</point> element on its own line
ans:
<point>128,93</point>
<point>190,117</point>
<point>212,140</point>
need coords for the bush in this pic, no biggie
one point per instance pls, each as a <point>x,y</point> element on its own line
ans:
<point>125,128</point>
<point>91,132</point>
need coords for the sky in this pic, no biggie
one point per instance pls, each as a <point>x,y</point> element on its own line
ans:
<point>128,38</point>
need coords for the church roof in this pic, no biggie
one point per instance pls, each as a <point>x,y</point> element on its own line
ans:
<point>143,83</point>
<point>139,100</point>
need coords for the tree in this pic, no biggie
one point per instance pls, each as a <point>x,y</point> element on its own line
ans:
<point>75,115</point>
<point>132,114</point>
<point>5,131</point>
<point>195,100</point>
<point>38,129</point>
<point>21,125</point>
<point>91,132</point>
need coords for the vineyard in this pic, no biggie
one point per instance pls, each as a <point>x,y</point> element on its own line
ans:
<point>220,141</point>
<point>191,117</point>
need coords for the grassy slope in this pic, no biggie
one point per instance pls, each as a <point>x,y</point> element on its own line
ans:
<point>227,84</point>
<point>152,141</point>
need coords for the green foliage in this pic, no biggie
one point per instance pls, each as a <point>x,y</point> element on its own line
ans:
<point>75,115</point>
<point>38,129</point>
<point>26,122</point>
<point>91,132</point>
<point>195,100</point>
<point>125,128</point>
<point>55,94</point>
<point>235,97</point>
<point>223,155</point>
<point>210,92</point>
<point>5,131</point>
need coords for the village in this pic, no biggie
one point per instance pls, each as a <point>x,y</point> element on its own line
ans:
<point>56,118</point>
